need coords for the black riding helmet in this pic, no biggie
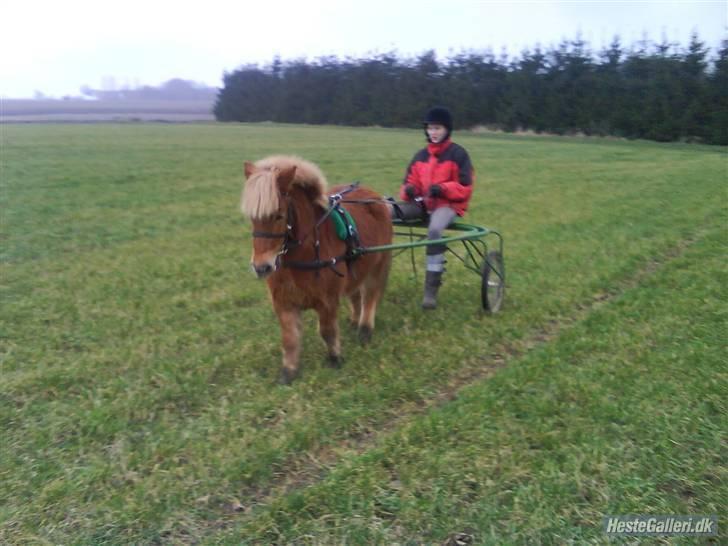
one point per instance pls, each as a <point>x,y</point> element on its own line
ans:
<point>440,116</point>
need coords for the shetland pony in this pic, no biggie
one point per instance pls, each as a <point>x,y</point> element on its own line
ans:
<point>285,198</point>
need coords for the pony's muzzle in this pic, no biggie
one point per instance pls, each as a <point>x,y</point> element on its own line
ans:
<point>263,270</point>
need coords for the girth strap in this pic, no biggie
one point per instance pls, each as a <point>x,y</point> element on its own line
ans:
<point>316,265</point>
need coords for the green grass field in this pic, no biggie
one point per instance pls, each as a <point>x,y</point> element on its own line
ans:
<point>138,401</point>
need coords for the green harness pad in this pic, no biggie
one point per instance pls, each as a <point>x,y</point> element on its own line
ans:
<point>343,223</point>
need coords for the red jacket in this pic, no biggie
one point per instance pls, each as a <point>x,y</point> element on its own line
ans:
<point>446,164</point>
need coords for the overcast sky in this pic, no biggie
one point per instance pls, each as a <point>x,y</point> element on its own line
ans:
<point>57,46</point>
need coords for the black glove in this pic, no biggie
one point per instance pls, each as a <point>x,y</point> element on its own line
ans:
<point>410,191</point>
<point>435,190</point>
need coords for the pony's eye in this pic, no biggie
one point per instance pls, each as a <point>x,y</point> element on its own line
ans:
<point>278,217</point>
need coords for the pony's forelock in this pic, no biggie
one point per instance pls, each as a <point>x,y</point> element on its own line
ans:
<point>260,195</point>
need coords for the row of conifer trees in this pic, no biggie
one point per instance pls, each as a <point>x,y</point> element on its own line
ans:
<point>658,91</point>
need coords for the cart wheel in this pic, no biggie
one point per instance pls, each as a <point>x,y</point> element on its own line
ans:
<point>493,282</point>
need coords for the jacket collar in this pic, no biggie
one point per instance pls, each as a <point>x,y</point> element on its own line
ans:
<point>437,149</point>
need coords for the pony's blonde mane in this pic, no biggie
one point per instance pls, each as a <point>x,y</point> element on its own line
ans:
<point>260,197</point>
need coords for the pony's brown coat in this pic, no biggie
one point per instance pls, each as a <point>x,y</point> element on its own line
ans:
<point>273,185</point>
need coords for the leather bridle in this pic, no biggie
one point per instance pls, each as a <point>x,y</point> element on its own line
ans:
<point>287,235</point>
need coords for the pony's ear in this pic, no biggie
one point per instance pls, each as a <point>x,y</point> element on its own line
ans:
<point>285,177</point>
<point>249,169</point>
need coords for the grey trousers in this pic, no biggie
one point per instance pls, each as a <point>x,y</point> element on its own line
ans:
<point>439,220</point>
<point>436,224</point>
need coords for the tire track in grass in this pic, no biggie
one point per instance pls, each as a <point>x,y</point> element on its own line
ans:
<point>304,470</point>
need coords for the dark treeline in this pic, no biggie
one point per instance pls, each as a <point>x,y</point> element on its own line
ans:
<point>653,91</point>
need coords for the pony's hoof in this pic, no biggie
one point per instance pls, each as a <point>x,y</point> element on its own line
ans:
<point>287,376</point>
<point>335,361</point>
<point>365,335</point>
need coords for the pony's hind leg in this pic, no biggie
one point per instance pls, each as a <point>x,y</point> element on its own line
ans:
<point>329,330</point>
<point>355,306</point>
<point>372,291</point>
<point>290,321</point>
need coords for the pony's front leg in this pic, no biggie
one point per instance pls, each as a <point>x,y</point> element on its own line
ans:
<point>290,320</point>
<point>329,330</point>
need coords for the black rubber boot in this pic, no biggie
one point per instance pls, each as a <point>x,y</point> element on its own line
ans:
<point>433,280</point>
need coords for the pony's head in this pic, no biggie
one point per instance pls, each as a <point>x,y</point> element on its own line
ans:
<point>268,195</point>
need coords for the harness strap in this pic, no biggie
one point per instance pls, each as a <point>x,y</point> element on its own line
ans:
<point>269,235</point>
<point>317,265</point>
<point>334,206</point>
<point>334,201</point>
